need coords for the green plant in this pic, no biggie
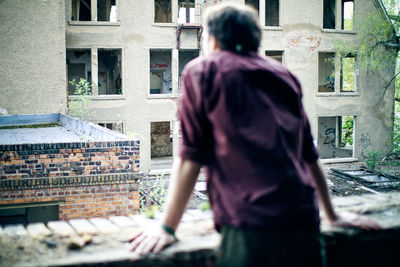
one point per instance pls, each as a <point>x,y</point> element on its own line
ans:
<point>372,158</point>
<point>347,127</point>
<point>205,206</point>
<point>156,193</point>
<point>78,103</point>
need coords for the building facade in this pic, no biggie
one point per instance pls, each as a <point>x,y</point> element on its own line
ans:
<point>133,52</point>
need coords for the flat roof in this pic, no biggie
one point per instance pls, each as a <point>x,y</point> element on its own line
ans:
<point>57,134</point>
<point>52,128</point>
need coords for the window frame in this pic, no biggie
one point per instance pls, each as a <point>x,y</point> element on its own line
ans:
<point>93,21</point>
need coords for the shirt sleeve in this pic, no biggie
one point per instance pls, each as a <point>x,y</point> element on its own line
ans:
<point>310,152</point>
<point>196,137</point>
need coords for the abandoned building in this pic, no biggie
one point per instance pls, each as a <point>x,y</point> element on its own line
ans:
<point>133,53</point>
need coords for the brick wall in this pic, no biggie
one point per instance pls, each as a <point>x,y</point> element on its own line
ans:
<point>77,197</point>
<point>68,159</point>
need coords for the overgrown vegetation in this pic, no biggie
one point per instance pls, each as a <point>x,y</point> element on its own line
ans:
<point>39,125</point>
<point>347,127</point>
<point>79,102</point>
<point>153,197</point>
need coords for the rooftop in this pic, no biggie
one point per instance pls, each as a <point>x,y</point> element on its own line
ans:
<point>52,128</point>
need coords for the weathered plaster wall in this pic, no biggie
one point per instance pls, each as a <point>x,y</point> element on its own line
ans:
<point>32,56</point>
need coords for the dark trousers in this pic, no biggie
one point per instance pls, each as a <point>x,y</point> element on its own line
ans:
<point>270,248</point>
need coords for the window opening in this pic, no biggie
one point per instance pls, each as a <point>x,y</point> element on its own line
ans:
<point>81,10</point>
<point>336,136</point>
<point>115,126</point>
<point>187,11</point>
<point>79,67</point>
<point>253,3</point>
<point>329,14</point>
<point>162,11</point>
<point>184,57</point>
<point>278,55</point>
<point>348,74</point>
<point>109,72</point>
<point>347,15</point>
<point>271,12</point>
<point>160,72</point>
<point>106,10</point>
<point>26,215</point>
<point>326,72</point>
<point>161,145</point>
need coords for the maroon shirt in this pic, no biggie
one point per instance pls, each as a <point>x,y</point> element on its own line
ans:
<point>242,117</point>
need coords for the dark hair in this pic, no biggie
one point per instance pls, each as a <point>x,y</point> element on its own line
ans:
<point>235,27</point>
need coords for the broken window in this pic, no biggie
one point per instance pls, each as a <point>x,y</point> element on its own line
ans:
<point>187,11</point>
<point>253,3</point>
<point>278,55</point>
<point>160,72</point>
<point>184,57</point>
<point>106,10</point>
<point>81,10</point>
<point>162,11</point>
<point>326,72</point>
<point>329,14</point>
<point>336,136</point>
<point>271,12</point>
<point>347,15</point>
<point>348,74</point>
<point>79,67</point>
<point>161,144</point>
<point>109,72</point>
<point>115,126</point>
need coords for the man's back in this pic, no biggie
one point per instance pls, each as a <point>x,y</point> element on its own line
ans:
<point>242,116</point>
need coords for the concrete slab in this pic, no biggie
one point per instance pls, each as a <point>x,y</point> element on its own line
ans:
<point>38,135</point>
<point>38,230</point>
<point>83,226</point>
<point>61,228</point>
<point>104,225</point>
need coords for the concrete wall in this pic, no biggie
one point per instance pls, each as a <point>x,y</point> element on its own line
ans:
<point>32,52</point>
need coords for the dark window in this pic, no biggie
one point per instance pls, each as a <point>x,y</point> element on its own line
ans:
<point>109,67</point>
<point>184,57</point>
<point>326,72</point>
<point>162,11</point>
<point>27,215</point>
<point>271,12</point>
<point>160,72</point>
<point>79,67</point>
<point>278,55</point>
<point>329,14</point>
<point>81,10</point>
<point>106,10</point>
<point>253,3</point>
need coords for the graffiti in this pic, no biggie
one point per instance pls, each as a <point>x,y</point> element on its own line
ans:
<point>330,137</point>
<point>305,40</point>
<point>159,66</point>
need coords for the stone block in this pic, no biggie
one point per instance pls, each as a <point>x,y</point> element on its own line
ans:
<point>122,221</point>
<point>83,226</point>
<point>61,228</point>
<point>104,225</point>
<point>38,230</point>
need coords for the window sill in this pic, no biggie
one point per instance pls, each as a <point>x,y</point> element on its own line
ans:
<point>165,25</point>
<point>272,28</point>
<point>163,96</point>
<point>339,31</point>
<point>340,94</point>
<point>93,23</point>
<point>100,97</point>
<point>338,160</point>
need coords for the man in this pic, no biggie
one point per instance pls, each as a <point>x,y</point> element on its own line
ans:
<point>242,118</point>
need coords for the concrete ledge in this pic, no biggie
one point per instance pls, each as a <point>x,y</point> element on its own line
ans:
<point>198,240</point>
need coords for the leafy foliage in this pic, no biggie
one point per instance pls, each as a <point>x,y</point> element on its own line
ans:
<point>372,159</point>
<point>347,130</point>
<point>78,104</point>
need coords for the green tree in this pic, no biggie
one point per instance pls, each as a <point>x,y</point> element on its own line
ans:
<point>78,103</point>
